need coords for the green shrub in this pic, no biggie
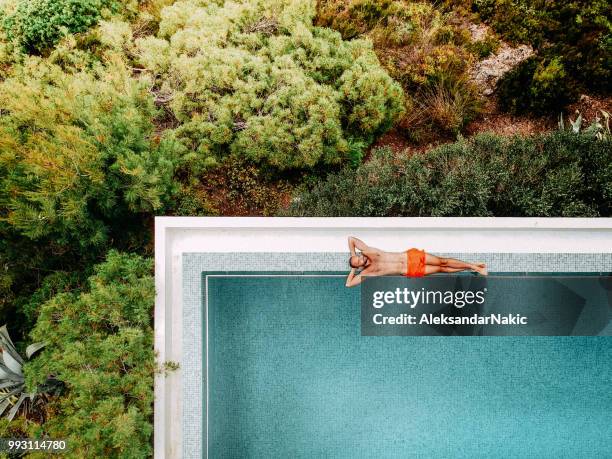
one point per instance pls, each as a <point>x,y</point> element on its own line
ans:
<point>573,42</point>
<point>17,428</point>
<point>257,80</point>
<point>485,47</point>
<point>427,51</point>
<point>37,25</point>
<point>445,106</point>
<point>554,175</point>
<point>239,187</point>
<point>393,23</point>
<point>51,285</point>
<point>33,271</point>
<point>100,344</point>
<point>536,85</point>
<point>79,161</point>
<point>517,20</point>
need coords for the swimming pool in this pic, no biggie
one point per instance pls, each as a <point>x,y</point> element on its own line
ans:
<point>310,385</point>
<point>289,375</point>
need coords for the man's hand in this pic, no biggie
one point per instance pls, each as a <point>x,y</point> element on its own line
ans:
<point>352,280</point>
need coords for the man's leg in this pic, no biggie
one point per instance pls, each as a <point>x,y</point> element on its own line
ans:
<point>453,263</point>
<point>433,269</point>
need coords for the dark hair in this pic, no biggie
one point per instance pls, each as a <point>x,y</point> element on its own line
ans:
<point>351,261</point>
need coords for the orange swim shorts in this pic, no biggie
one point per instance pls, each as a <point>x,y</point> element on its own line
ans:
<point>416,263</point>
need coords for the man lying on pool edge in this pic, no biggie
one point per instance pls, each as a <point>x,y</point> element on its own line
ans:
<point>411,263</point>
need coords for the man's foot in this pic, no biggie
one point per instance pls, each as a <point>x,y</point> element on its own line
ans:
<point>481,268</point>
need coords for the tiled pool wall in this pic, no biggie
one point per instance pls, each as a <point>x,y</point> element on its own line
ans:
<point>194,264</point>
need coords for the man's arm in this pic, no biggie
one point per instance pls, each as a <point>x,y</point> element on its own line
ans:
<point>356,243</point>
<point>353,279</point>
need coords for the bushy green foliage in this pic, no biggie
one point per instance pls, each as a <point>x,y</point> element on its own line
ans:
<point>100,344</point>
<point>485,47</point>
<point>554,175</point>
<point>536,85</point>
<point>52,284</point>
<point>78,155</point>
<point>573,41</point>
<point>37,25</point>
<point>429,52</point>
<point>19,427</point>
<point>256,79</point>
<point>239,187</point>
<point>33,271</point>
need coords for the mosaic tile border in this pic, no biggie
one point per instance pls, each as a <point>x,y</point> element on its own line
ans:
<point>194,264</point>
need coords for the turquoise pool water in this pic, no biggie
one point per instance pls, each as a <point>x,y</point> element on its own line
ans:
<point>295,378</point>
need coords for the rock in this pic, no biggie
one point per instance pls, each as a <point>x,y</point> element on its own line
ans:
<point>478,31</point>
<point>486,73</point>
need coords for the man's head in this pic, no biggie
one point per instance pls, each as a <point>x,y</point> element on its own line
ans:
<point>357,261</point>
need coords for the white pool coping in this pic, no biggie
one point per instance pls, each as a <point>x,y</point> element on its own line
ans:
<point>176,236</point>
